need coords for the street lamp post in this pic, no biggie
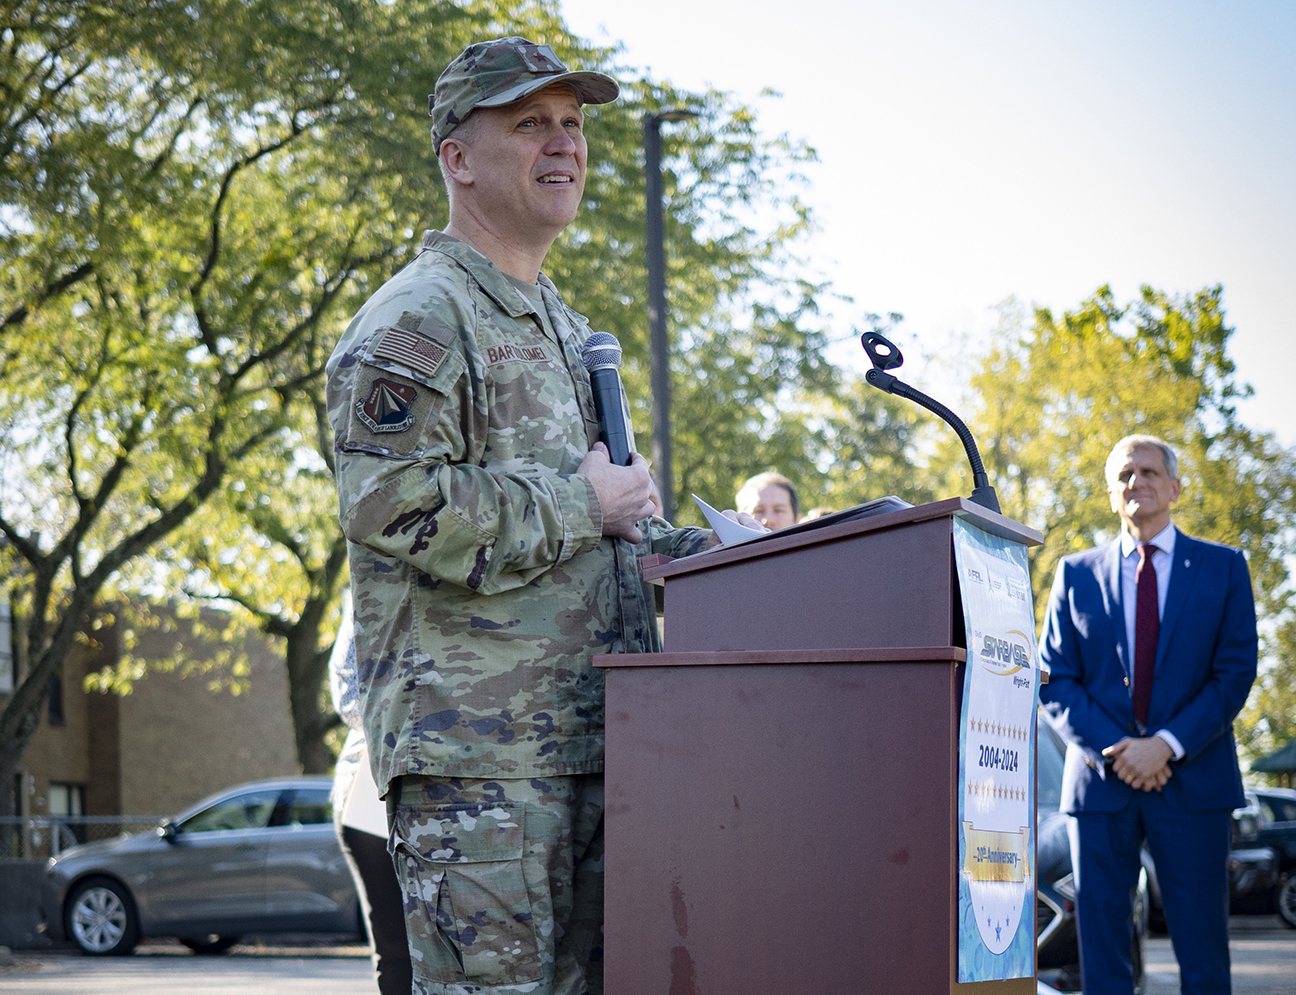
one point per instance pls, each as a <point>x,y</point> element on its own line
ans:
<point>658,344</point>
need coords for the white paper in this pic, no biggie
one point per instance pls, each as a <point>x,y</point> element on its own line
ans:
<point>728,531</point>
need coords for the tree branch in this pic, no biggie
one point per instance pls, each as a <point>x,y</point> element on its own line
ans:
<point>214,226</point>
<point>51,289</point>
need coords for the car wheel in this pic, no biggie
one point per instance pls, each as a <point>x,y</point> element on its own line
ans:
<point>1141,902</point>
<point>1287,901</point>
<point>1156,920</point>
<point>101,918</point>
<point>1138,964</point>
<point>210,944</point>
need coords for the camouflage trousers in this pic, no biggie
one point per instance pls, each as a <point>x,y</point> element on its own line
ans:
<point>503,883</point>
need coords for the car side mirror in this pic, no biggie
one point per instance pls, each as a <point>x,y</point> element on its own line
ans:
<point>167,831</point>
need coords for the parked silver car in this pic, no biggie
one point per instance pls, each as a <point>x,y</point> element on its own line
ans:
<point>257,858</point>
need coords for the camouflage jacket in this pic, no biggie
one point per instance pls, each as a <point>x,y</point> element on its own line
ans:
<point>481,580</point>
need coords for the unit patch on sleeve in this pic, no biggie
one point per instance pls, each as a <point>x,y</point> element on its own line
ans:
<point>389,406</point>
<point>409,349</point>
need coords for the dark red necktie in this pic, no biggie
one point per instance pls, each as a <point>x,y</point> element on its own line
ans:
<point>1147,629</point>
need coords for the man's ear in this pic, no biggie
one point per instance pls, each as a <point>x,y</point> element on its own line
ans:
<point>454,162</point>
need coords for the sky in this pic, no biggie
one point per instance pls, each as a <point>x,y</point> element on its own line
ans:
<point>972,152</point>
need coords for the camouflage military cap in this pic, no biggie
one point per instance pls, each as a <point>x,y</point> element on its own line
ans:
<point>498,72</point>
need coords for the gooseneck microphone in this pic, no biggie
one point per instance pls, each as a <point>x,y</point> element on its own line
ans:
<point>601,355</point>
<point>885,356</point>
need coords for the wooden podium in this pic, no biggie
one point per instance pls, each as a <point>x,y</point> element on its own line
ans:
<point>781,782</point>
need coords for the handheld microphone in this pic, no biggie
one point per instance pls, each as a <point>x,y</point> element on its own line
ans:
<point>601,355</point>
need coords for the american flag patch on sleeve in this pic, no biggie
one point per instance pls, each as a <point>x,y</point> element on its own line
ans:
<point>410,350</point>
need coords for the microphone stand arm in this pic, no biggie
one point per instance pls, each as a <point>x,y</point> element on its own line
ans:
<point>886,356</point>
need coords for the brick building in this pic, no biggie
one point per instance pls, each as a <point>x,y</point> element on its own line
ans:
<point>162,747</point>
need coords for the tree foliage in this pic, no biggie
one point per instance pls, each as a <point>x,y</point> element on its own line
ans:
<point>1269,720</point>
<point>743,321</point>
<point>195,197</point>
<point>752,386</point>
<point>188,194</point>
<point>1055,397</point>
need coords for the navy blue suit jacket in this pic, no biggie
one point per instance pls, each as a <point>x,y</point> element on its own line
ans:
<point>1205,664</point>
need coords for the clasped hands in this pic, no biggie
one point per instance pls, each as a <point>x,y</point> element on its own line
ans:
<point>1143,764</point>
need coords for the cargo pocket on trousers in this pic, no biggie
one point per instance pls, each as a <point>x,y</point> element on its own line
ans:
<point>475,889</point>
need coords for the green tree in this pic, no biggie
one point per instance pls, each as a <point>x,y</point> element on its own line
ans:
<point>267,547</point>
<point>194,199</point>
<point>724,270</point>
<point>1057,395</point>
<point>743,317</point>
<point>1268,721</point>
<point>188,192</point>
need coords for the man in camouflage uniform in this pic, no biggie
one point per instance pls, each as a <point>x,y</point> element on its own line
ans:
<point>493,546</point>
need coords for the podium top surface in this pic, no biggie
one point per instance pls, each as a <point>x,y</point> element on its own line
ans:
<point>958,507</point>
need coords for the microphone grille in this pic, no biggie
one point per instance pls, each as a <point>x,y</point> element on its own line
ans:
<point>601,351</point>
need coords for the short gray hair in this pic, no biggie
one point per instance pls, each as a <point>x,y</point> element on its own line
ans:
<point>1168,456</point>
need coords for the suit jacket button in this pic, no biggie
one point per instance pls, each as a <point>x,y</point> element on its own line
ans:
<point>1131,727</point>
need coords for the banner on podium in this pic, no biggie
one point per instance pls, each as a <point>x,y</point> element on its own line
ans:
<point>996,844</point>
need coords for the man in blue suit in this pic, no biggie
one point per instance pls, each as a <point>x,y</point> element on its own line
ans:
<point>1151,644</point>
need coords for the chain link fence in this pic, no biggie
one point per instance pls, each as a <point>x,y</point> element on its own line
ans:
<point>41,837</point>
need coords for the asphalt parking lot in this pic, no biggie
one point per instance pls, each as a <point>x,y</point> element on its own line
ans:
<point>1262,949</point>
<point>161,967</point>
<point>1264,963</point>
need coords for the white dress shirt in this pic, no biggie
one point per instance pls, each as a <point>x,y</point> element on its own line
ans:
<point>1162,561</point>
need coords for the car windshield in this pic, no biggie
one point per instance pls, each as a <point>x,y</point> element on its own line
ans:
<point>1274,808</point>
<point>1051,756</point>
<point>250,810</point>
